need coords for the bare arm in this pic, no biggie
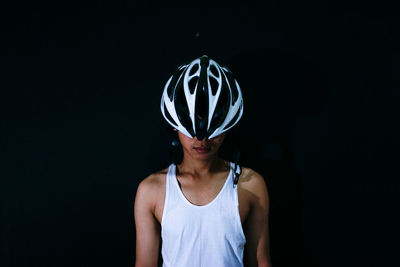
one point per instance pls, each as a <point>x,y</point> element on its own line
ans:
<point>257,225</point>
<point>147,227</point>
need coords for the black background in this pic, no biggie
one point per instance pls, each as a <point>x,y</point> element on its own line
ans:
<point>81,126</point>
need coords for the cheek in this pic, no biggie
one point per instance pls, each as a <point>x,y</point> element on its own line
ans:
<point>186,143</point>
<point>219,139</point>
<point>184,140</point>
<point>218,142</point>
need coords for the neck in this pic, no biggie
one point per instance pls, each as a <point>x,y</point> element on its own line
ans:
<point>201,167</point>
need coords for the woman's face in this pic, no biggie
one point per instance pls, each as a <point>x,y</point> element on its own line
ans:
<point>203,149</point>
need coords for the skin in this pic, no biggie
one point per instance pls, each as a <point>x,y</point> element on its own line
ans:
<point>201,176</point>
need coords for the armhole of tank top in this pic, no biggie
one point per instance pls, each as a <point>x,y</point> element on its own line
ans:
<point>237,213</point>
<point>166,195</point>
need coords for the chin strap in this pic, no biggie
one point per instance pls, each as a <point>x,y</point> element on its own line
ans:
<point>237,172</point>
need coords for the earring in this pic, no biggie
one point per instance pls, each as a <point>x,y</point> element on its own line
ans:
<point>175,142</point>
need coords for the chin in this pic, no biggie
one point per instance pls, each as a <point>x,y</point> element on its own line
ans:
<point>203,156</point>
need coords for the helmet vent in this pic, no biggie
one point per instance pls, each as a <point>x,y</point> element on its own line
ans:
<point>175,79</point>
<point>235,92</point>
<point>194,69</point>
<point>214,85</point>
<point>192,84</point>
<point>170,91</point>
<point>233,121</point>
<point>232,82</point>
<point>182,111</point>
<point>214,71</point>
<point>221,110</point>
<point>169,118</point>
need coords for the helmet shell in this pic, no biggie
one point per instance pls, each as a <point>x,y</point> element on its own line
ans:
<point>202,99</point>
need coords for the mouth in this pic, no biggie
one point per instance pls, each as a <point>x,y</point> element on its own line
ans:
<point>202,150</point>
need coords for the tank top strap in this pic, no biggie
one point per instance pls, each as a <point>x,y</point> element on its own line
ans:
<point>170,194</point>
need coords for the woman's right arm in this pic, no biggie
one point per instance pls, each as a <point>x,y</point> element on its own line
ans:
<point>147,226</point>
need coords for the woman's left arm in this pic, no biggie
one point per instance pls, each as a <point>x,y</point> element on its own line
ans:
<point>258,253</point>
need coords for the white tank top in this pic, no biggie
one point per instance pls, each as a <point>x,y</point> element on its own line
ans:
<point>201,236</point>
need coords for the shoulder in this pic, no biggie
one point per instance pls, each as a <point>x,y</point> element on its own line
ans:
<point>251,179</point>
<point>153,182</point>
<point>151,187</point>
<point>253,183</point>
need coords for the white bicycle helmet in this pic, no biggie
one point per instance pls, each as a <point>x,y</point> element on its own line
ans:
<point>202,99</point>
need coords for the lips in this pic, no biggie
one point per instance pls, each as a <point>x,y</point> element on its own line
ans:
<point>202,149</point>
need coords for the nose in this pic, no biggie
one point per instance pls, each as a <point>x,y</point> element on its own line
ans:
<point>204,140</point>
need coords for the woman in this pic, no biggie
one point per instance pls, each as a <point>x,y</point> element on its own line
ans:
<point>205,210</point>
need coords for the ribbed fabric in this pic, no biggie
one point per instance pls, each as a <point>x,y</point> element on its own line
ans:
<point>201,236</point>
